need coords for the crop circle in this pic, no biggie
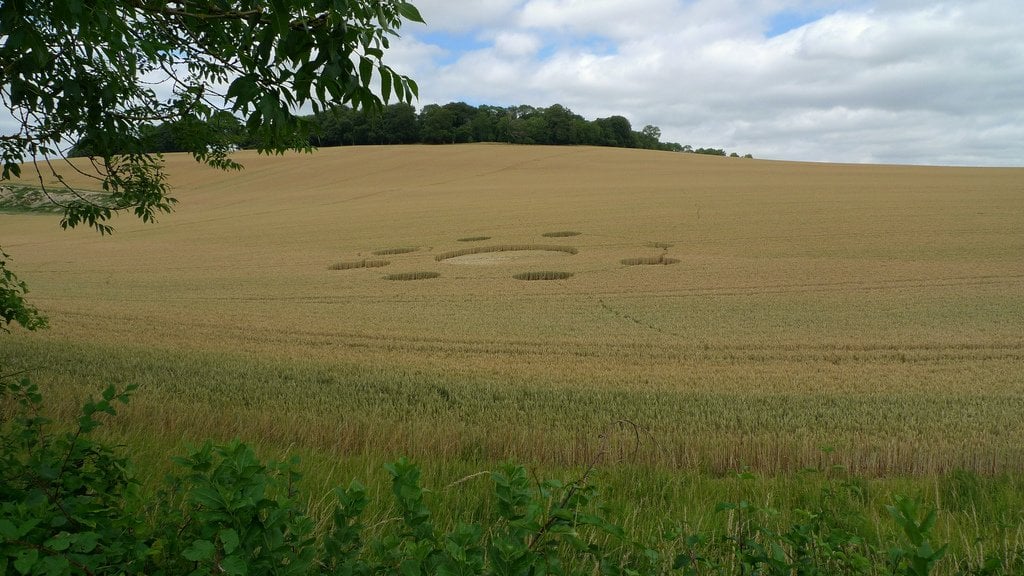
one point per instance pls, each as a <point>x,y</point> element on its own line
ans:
<point>412,276</point>
<point>358,264</point>
<point>649,260</point>
<point>545,275</point>
<point>504,248</point>
<point>390,251</point>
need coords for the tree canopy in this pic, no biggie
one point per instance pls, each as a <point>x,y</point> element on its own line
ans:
<point>458,122</point>
<point>105,75</point>
<point>451,123</point>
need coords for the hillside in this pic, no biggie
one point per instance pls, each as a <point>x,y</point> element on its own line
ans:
<point>780,294</point>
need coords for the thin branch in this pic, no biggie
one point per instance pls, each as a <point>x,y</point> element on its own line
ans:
<point>69,188</point>
<point>42,184</point>
<point>15,373</point>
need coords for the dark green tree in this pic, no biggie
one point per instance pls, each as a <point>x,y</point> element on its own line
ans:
<point>437,125</point>
<point>615,131</point>
<point>462,118</point>
<point>82,71</point>
<point>648,138</point>
<point>401,125</point>
<point>536,130</point>
<point>561,124</point>
<point>490,124</point>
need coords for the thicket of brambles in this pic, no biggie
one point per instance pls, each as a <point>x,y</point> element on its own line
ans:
<point>452,123</point>
<point>70,505</point>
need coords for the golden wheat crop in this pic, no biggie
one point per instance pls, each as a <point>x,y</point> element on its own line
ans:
<point>874,309</point>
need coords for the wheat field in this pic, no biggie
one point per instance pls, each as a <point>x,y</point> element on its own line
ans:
<point>740,313</point>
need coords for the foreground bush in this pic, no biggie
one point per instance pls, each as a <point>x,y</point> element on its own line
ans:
<point>68,505</point>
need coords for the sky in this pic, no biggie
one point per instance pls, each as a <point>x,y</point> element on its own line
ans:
<point>902,81</point>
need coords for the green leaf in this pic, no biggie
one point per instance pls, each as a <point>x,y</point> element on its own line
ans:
<point>409,12</point>
<point>229,538</point>
<point>25,560</point>
<point>55,566</point>
<point>234,565</point>
<point>385,85</point>
<point>60,542</point>
<point>85,541</point>
<point>409,567</point>
<point>199,550</point>
<point>365,70</point>
<point>208,496</point>
<point>7,529</point>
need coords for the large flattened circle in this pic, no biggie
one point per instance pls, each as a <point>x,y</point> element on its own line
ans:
<point>507,257</point>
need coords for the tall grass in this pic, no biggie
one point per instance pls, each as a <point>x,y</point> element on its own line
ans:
<point>437,413</point>
<point>345,421</point>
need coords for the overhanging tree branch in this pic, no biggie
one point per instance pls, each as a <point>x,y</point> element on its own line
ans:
<point>72,72</point>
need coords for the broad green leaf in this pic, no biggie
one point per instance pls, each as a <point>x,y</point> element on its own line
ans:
<point>60,542</point>
<point>234,565</point>
<point>85,541</point>
<point>7,529</point>
<point>199,550</point>
<point>409,12</point>
<point>229,538</point>
<point>25,560</point>
<point>385,84</point>
<point>365,70</point>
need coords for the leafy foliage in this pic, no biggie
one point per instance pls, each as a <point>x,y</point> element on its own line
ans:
<point>106,74</point>
<point>67,503</point>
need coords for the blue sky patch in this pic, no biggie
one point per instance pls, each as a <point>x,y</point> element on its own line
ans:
<point>787,20</point>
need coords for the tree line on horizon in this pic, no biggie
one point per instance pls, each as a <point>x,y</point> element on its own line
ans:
<point>452,123</point>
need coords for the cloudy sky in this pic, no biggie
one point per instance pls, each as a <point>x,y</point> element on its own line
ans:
<point>900,81</point>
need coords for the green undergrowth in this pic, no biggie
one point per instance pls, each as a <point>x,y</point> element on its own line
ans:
<point>709,514</point>
<point>71,504</point>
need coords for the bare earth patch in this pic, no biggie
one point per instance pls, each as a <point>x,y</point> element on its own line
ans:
<point>507,257</point>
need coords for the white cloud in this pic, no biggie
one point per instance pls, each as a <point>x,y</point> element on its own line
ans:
<point>516,44</point>
<point>619,20</point>
<point>908,81</point>
<point>449,16</point>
